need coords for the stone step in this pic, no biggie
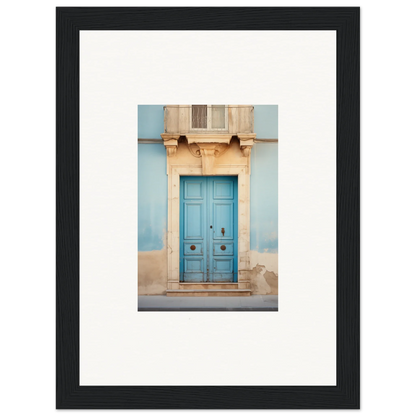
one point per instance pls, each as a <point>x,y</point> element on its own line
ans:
<point>209,292</point>
<point>204,286</point>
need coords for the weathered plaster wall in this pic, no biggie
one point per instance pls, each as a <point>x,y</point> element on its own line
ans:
<point>153,272</point>
<point>264,273</point>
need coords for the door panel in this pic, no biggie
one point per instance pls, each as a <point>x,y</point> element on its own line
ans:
<point>208,229</point>
<point>223,242</point>
<point>223,265</point>
<point>194,189</point>
<point>193,269</point>
<point>194,265</point>
<point>223,189</point>
<point>223,221</point>
<point>194,220</point>
<point>223,249</point>
<point>194,249</point>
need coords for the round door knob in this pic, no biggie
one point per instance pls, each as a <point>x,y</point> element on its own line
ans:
<point>193,247</point>
<point>223,247</point>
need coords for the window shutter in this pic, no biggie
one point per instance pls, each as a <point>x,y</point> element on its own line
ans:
<point>218,117</point>
<point>199,116</point>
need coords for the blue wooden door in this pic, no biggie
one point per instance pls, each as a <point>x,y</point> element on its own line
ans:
<point>208,229</point>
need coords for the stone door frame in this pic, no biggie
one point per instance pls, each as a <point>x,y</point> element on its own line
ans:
<point>174,172</point>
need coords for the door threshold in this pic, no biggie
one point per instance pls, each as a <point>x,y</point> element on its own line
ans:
<point>208,285</point>
<point>209,292</point>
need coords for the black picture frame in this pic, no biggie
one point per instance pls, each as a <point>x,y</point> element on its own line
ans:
<point>346,394</point>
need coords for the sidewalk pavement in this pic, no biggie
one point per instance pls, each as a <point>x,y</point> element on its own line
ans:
<point>208,303</point>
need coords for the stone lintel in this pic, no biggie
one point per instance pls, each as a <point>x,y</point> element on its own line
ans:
<point>209,138</point>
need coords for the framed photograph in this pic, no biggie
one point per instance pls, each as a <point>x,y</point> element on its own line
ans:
<point>207,208</point>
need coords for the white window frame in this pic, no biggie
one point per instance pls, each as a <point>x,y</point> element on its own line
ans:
<point>209,118</point>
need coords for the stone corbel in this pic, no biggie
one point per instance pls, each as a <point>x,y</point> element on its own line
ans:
<point>246,142</point>
<point>210,147</point>
<point>208,151</point>
<point>171,143</point>
<point>246,150</point>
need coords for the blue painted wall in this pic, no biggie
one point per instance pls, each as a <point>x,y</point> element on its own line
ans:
<point>151,121</point>
<point>152,196</point>
<point>265,121</point>
<point>263,190</point>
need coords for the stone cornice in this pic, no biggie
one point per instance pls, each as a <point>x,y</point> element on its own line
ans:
<point>246,136</point>
<point>167,136</point>
<point>210,146</point>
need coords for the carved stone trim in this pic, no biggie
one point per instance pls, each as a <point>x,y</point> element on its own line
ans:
<point>174,172</point>
<point>208,152</point>
<point>171,150</point>
<point>208,158</point>
<point>171,143</point>
<point>208,146</point>
<point>246,143</point>
<point>246,150</point>
<point>194,150</point>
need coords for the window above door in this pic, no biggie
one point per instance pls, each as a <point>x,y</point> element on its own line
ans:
<point>209,117</point>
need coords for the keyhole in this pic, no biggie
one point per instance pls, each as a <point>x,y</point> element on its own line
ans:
<point>223,231</point>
